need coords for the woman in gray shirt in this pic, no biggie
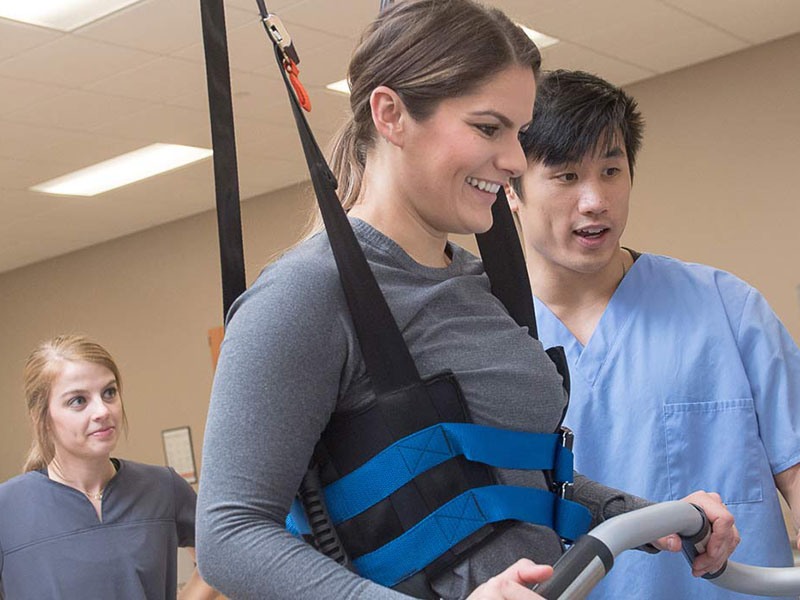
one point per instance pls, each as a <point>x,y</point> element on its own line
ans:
<point>439,92</point>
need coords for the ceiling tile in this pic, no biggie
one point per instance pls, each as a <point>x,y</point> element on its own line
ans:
<point>570,56</point>
<point>275,6</point>
<point>234,17</point>
<point>652,35</point>
<point>18,205</point>
<point>23,141</point>
<point>18,93</point>
<point>137,76</point>
<point>159,27</point>
<point>76,150</point>
<point>16,38</point>
<point>259,97</point>
<point>78,110</point>
<point>756,21</point>
<point>267,141</point>
<point>333,16</point>
<point>142,204</point>
<point>258,176</point>
<point>21,174</point>
<point>158,80</point>
<point>169,124</point>
<point>72,62</point>
<point>688,44</point>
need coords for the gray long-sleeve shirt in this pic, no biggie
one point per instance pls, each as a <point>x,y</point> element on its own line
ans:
<point>290,358</point>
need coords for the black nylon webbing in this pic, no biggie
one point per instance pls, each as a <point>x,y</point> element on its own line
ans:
<point>388,361</point>
<point>226,181</point>
<point>504,262</point>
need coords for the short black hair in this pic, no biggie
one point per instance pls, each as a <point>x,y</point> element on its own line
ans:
<point>577,113</point>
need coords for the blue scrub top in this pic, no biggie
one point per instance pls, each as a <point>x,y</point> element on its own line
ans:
<point>690,382</point>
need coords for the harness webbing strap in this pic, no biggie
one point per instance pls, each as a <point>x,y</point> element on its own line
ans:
<point>504,262</point>
<point>226,181</point>
<point>465,514</point>
<point>407,458</point>
<point>388,360</point>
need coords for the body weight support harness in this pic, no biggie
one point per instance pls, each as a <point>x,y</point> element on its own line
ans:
<point>437,497</point>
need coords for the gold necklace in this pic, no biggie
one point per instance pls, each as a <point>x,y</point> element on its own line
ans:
<point>92,496</point>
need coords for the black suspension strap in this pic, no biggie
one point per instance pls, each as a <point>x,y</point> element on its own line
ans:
<point>386,355</point>
<point>504,263</point>
<point>226,181</point>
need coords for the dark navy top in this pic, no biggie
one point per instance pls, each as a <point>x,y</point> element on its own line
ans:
<point>53,545</point>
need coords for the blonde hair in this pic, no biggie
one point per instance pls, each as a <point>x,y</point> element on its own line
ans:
<point>41,368</point>
<point>426,51</point>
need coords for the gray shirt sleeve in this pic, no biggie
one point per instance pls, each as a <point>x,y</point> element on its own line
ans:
<point>278,358</point>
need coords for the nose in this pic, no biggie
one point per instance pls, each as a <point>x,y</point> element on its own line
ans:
<point>592,199</point>
<point>512,159</point>
<point>100,409</point>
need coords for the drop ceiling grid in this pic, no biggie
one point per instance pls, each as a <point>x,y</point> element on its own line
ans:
<point>137,76</point>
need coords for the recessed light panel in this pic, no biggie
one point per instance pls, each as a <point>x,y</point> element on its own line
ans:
<point>540,39</point>
<point>64,15</point>
<point>122,170</point>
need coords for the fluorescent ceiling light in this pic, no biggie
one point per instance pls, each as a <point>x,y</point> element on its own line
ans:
<point>340,87</point>
<point>122,170</point>
<point>540,39</point>
<point>64,15</point>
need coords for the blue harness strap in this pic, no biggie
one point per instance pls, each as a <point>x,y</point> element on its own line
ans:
<point>455,520</point>
<point>407,458</point>
<point>443,528</point>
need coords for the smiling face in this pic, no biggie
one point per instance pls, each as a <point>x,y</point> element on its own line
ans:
<point>573,215</point>
<point>454,161</point>
<point>84,411</point>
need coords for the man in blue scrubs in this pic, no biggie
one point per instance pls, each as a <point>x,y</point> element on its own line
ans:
<point>683,378</point>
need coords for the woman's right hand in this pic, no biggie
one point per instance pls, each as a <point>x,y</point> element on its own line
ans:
<point>512,584</point>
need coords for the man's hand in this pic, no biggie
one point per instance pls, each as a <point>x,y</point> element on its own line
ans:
<point>724,535</point>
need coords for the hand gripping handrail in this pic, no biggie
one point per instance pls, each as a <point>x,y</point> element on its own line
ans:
<point>589,560</point>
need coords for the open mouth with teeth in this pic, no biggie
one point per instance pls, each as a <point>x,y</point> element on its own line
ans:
<point>483,185</point>
<point>591,232</point>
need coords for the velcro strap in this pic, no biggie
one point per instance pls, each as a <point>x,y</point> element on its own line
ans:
<point>452,522</point>
<point>404,460</point>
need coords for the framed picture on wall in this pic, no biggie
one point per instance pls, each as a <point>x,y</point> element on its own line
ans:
<point>178,452</point>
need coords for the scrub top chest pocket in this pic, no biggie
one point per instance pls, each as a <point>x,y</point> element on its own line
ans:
<point>714,446</point>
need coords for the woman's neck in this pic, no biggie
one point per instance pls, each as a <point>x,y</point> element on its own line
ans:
<point>87,476</point>
<point>387,213</point>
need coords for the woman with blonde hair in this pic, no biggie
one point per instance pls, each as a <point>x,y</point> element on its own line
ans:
<point>78,523</point>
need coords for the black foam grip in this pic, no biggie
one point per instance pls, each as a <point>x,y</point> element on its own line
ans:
<point>573,564</point>
<point>693,545</point>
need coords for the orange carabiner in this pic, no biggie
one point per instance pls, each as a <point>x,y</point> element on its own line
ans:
<point>299,90</point>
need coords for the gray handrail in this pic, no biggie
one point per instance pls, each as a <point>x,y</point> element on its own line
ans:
<point>588,561</point>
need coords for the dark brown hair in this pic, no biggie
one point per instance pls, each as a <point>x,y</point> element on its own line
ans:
<point>426,51</point>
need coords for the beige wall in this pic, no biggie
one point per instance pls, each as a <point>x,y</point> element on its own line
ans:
<point>716,184</point>
<point>150,298</point>
<point>718,180</point>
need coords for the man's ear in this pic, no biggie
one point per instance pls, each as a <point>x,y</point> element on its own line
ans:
<point>389,114</point>
<point>513,199</point>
